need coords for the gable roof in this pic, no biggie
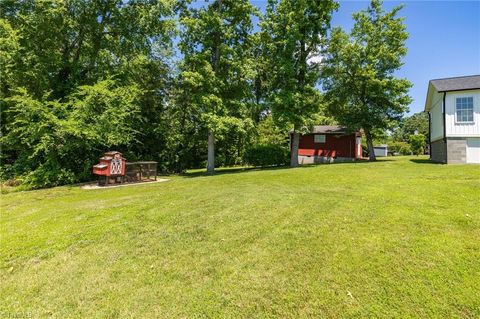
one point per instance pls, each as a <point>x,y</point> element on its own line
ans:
<point>329,129</point>
<point>457,83</point>
<point>460,83</point>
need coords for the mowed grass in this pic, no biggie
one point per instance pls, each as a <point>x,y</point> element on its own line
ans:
<point>396,238</point>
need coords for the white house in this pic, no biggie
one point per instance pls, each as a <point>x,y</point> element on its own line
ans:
<point>453,105</point>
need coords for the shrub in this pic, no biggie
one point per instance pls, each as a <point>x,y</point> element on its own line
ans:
<point>400,148</point>
<point>48,175</point>
<point>54,143</point>
<point>417,142</point>
<point>266,155</point>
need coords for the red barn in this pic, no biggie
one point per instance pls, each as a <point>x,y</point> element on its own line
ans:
<point>326,144</point>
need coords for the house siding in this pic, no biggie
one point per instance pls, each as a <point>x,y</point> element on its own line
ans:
<point>436,129</point>
<point>473,150</point>
<point>454,129</point>
<point>452,141</point>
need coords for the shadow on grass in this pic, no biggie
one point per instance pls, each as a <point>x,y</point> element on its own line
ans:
<point>238,170</point>
<point>424,161</point>
<point>232,170</point>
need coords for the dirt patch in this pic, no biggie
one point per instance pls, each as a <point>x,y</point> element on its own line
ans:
<point>95,185</point>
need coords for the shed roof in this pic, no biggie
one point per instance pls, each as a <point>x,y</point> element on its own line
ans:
<point>329,129</point>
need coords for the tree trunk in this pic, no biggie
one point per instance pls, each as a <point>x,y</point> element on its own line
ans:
<point>211,153</point>
<point>371,151</point>
<point>294,149</point>
<point>211,134</point>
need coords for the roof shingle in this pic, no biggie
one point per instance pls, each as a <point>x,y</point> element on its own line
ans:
<point>329,129</point>
<point>458,83</point>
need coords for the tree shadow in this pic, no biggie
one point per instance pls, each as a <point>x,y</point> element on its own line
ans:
<point>239,170</point>
<point>424,161</point>
<point>232,170</point>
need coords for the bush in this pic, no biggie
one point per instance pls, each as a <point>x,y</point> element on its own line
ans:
<point>400,148</point>
<point>48,175</point>
<point>52,143</point>
<point>266,155</point>
<point>417,143</point>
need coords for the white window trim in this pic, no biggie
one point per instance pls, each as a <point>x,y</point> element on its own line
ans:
<point>473,110</point>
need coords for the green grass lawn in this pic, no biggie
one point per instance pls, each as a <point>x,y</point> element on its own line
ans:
<point>396,238</point>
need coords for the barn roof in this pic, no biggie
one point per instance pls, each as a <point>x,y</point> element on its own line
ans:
<point>329,129</point>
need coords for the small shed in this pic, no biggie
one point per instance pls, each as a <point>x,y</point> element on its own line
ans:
<point>329,143</point>
<point>381,150</point>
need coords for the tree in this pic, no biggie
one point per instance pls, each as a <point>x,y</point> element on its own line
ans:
<point>417,142</point>
<point>293,32</point>
<point>402,148</point>
<point>417,123</point>
<point>57,142</point>
<point>58,57</point>
<point>361,88</point>
<point>216,69</point>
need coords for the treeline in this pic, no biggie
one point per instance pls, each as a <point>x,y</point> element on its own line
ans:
<point>409,136</point>
<point>186,83</point>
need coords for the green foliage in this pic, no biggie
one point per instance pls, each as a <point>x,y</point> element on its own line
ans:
<point>106,115</point>
<point>270,146</point>
<point>401,148</point>
<point>293,34</point>
<point>83,77</point>
<point>361,88</point>
<point>266,155</point>
<point>216,72</point>
<point>9,50</point>
<point>415,124</point>
<point>417,141</point>
<point>80,78</point>
<point>56,142</point>
<point>269,133</point>
<point>47,175</point>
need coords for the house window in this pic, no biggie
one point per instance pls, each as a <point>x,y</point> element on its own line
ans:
<point>319,138</point>
<point>464,109</point>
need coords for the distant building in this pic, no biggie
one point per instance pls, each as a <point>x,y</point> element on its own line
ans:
<point>381,150</point>
<point>326,144</point>
<point>453,105</point>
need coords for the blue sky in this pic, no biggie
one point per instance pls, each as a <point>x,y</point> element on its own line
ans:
<point>444,39</point>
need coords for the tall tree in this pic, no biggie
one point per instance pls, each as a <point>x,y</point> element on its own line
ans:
<point>216,69</point>
<point>64,58</point>
<point>361,88</point>
<point>294,32</point>
<point>415,124</point>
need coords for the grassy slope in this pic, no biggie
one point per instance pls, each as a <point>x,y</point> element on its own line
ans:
<point>394,238</point>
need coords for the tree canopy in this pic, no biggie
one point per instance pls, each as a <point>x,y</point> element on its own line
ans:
<point>187,83</point>
<point>293,34</point>
<point>216,71</point>
<point>362,90</point>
